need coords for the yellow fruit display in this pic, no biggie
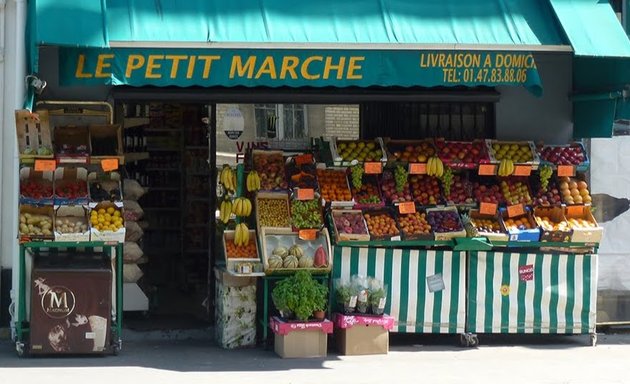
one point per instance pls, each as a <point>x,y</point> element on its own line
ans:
<point>105,220</point>
<point>574,192</point>
<point>516,152</point>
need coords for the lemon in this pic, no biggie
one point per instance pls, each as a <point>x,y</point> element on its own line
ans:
<point>101,211</point>
<point>101,220</point>
<point>110,210</point>
<point>108,217</point>
<point>116,213</point>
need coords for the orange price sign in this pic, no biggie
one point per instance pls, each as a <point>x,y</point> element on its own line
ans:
<point>373,167</point>
<point>522,170</point>
<point>417,168</point>
<point>307,234</point>
<point>45,165</point>
<point>407,207</point>
<point>575,210</point>
<point>306,158</point>
<point>488,208</point>
<point>487,169</point>
<point>566,170</point>
<point>109,165</point>
<point>305,194</point>
<point>515,210</point>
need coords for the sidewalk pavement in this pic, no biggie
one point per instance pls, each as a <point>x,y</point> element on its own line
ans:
<point>412,358</point>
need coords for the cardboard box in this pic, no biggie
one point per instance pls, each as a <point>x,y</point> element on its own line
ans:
<point>235,310</point>
<point>532,150</point>
<point>66,175</point>
<point>350,236</point>
<point>100,133</point>
<point>583,235</point>
<point>492,236</point>
<point>33,134</point>
<point>338,161</point>
<point>27,210</point>
<point>72,144</point>
<point>108,181</point>
<point>74,214</point>
<point>362,335</point>
<point>440,236</point>
<point>282,196</point>
<point>556,215</point>
<point>119,235</point>
<point>45,179</point>
<point>298,340</point>
<point>522,234</point>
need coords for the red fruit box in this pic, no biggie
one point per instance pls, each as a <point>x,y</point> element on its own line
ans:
<point>425,190</point>
<point>36,187</point>
<point>71,186</point>
<point>280,327</point>
<point>369,182</point>
<point>462,154</point>
<point>461,193</point>
<point>409,151</point>
<point>449,235</point>
<point>270,167</point>
<point>569,154</point>
<point>487,190</point>
<point>390,193</point>
<point>343,235</point>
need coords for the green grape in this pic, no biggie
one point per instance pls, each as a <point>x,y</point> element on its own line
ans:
<point>447,181</point>
<point>400,177</point>
<point>356,173</point>
<point>544,173</point>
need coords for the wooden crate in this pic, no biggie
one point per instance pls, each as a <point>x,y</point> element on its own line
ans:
<point>272,196</point>
<point>349,236</point>
<point>33,132</point>
<point>274,237</point>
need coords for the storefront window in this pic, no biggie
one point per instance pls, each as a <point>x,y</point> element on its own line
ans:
<point>281,121</point>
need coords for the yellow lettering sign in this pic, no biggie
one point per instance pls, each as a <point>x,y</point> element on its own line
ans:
<point>152,65</point>
<point>134,62</point>
<point>289,63</point>
<point>101,65</point>
<point>328,66</point>
<point>207,66</point>
<point>240,69</point>
<point>267,67</point>
<point>175,66</point>
<point>80,74</point>
<point>304,69</point>
<point>353,66</point>
<point>191,67</point>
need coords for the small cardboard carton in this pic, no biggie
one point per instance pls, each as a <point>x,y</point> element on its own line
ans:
<point>583,234</point>
<point>298,340</point>
<point>71,179</point>
<point>108,235</point>
<point>36,187</point>
<point>475,217</point>
<point>72,144</point>
<point>110,185</point>
<point>69,217</point>
<point>338,214</point>
<point>524,234</point>
<point>556,215</point>
<point>105,141</point>
<point>362,335</point>
<point>439,236</point>
<point>29,224</point>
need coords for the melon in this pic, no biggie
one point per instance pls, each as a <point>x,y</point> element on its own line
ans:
<point>296,251</point>
<point>280,251</point>
<point>306,262</point>
<point>290,262</point>
<point>275,261</point>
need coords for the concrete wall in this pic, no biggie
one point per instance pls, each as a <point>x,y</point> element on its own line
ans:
<point>521,115</point>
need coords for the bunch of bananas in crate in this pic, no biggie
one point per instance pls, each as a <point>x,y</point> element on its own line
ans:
<point>435,166</point>
<point>242,207</point>
<point>253,181</point>
<point>506,167</point>
<point>227,177</point>
<point>241,234</point>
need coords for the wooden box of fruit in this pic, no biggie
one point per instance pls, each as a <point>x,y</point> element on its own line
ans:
<point>107,222</point>
<point>574,190</point>
<point>516,190</point>
<point>382,225</point>
<point>345,152</point>
<point>519,152</point>
<point>462,154</point>
<point>488,226</point>
<point>425,190</point>
<point>283,252</point>
<point>36,223</point>
<point>569,154</point>
<point>368,196</point>
<point>72,144</point>
<point>106,141</point>
<point>349,225</point>
<point>272,210</point>
<point>301,172</point>
<point>71,186</point>
<point>585,227</point>
<point>520,228</point>
<point>446,223</point>
<point>415,226</point>
<point>242,260</point>
<point>334,188</point>
<point>306,214</point>
<point>409,151</point>
<point>71,223</point>
<point>554,226</point>
<point>33,134</point>
<point>36,187</point>
<point>104,187</point>
<point>270,167</point>
<point>460,193</point>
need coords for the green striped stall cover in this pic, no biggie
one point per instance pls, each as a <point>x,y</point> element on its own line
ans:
<point>531,293</point>
<point>409,273</point>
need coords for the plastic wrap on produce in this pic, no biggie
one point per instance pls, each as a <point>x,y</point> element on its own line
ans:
<point>235,313</point>
<point>610,190</point>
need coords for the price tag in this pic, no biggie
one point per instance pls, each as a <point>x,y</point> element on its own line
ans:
<point>407,207</point>
<point>373,167</point>
<point>417,168</point>
<point>305,194</point>
<point>307,234</point>
<point>45,165</point>
<point>575,210</point>
<point>109,165</point>
<point>522,170</point>
<point>306,158</point>
<point>515,210</point>
<point>566,170</point>
<point>487,169</point>
<point>488,208</point>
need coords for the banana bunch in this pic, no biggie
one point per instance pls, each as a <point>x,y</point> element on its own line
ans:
<point>242,207</point>
<point>506,167</point>
<point>435,167</point>
<point>228,178</point>
<point>253,181</point>
<point>241,234</point>
<point>225,211</point>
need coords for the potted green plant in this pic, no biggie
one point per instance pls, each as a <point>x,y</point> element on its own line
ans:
<point>320,301</point>
<point>377,301</point>
<point>346,298</point>
<point>300,294</point>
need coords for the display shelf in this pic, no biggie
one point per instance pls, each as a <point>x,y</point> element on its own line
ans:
<point>131,157</point>
<point>132,122</point>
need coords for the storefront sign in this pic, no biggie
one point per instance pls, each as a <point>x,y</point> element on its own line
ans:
<point>233,123</point>
<point>296,68</point>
